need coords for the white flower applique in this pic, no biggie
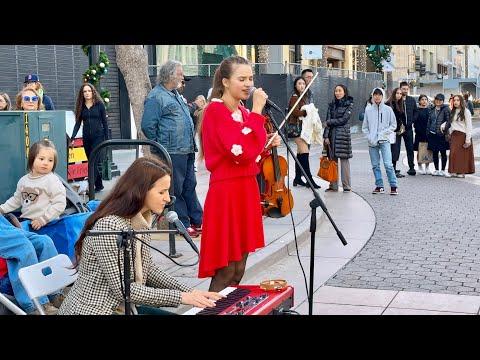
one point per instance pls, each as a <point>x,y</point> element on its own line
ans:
<point>246,130</point>
<point>237,116</point>
<point>236,149</point>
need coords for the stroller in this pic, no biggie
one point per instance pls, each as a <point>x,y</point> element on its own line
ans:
<point>63,231</point>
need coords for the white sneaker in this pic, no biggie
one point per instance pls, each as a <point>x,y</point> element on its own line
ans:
<point>461,176</point>
<point>453,175</point>
<point>421,171</point>
<point>441,173</point>
<point>447,174</point>
<point>427,171</point>
<point>436,173</point>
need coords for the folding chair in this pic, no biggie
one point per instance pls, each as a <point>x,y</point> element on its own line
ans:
<point>10,305</point>
<point>47,277</point>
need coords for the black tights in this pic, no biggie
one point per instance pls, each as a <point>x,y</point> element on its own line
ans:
<point>228,275</point>
<point>444,159</point>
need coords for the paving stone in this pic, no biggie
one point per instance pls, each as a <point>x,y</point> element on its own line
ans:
<point>443,258</point>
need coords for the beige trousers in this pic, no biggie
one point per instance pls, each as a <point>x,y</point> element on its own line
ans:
<point>345,174</point>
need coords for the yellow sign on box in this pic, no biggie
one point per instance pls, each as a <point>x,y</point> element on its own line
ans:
<point>77,155</point>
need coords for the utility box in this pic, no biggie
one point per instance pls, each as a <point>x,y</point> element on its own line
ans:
<point>18,131</point>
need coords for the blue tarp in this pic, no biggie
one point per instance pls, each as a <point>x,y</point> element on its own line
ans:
<point>64,231</point>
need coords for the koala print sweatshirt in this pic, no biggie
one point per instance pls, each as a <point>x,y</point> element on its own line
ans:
<point>40,197</point>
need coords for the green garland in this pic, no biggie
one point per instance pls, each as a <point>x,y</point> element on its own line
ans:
<point>86,49</point>
<point>377,53</point>
<point>96,72</point>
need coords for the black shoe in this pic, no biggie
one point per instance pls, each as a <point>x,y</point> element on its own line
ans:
<point>299,182</point>
<point>98,189</point>
<point>331,190</point>
<point>399,175</point>
<point>315,186</point>
<point>411,172</point>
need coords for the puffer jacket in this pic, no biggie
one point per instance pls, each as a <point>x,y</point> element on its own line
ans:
<point>337,128</point>
<point>435,121</point>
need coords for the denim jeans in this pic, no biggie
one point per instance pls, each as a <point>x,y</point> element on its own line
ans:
<point>374,152</point>
<point>22,248</point>
<point>187,205</point>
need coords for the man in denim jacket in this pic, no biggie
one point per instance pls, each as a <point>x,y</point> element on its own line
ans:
<point>166,120</point>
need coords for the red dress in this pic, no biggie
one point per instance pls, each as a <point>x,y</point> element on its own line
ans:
<point>232,218</point>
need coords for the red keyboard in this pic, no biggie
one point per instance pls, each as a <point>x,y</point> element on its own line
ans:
<point>249,300</point>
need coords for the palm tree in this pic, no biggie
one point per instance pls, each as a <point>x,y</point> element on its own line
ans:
<point>261,56</point>
<point>362,58</point>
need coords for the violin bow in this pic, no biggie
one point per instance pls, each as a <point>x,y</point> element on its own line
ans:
<point>291,110</point>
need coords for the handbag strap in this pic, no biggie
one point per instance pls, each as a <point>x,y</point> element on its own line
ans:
<point>329,152</point>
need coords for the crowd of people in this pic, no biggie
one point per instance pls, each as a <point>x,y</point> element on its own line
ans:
<point>232,141</point>
<point>429,130</point>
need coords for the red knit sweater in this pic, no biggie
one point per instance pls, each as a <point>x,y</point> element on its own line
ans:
<point>231,143</point>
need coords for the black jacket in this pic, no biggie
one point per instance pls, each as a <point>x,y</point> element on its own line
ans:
<point>94,123</point>
<point>400,116</point>
<point>470,106</point>
<point>338,128</point>
<point>435,120</point>
<point>410,111</point>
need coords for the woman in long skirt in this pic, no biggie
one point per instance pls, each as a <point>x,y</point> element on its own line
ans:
<point>461,160</point>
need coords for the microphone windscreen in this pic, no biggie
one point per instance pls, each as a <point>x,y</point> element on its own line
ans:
<point>171,216</point>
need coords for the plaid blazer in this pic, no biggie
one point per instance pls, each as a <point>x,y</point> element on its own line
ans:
<point>98,288</point>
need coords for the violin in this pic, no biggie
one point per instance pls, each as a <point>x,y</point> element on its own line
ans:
<point>276,197</point>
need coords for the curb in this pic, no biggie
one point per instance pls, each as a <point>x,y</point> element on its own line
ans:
<point>280,248</point>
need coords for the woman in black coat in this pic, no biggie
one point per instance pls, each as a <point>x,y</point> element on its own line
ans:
<point>420,123</point>
<point>337,136</point>
<point>397,104</point>
<point>90,111</point>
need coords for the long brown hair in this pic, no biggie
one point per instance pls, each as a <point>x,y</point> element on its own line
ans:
<point>461,112</point>
<point>398,103</point>
<point>224,71</point>
<point>128,196</point>
<point>81,99</point>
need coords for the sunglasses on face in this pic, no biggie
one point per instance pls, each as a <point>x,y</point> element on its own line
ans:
<point>30,98</point>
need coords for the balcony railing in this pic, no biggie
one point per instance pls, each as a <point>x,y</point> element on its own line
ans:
<point>277,68</point>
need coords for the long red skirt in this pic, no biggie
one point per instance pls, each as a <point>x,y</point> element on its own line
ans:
<point>232,223</point>
<point>461,160</point>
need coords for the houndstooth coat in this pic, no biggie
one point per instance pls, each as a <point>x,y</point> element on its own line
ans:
<point>98,289</point>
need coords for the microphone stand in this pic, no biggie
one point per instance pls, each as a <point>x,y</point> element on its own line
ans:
<point>314,204</point>
<point>124,241</point>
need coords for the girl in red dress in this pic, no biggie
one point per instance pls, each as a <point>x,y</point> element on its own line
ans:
<point>232,140</point>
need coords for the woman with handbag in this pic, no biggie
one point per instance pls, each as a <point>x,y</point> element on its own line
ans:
<point>461,160</point>
<point>424,156</point>
<point>397,104</point>
<point>436,138</point>
<point>337,134</point>
<point>294,129</point>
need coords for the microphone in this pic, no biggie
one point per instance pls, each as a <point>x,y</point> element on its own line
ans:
<point>269,103</point>
<point>172,218</point>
